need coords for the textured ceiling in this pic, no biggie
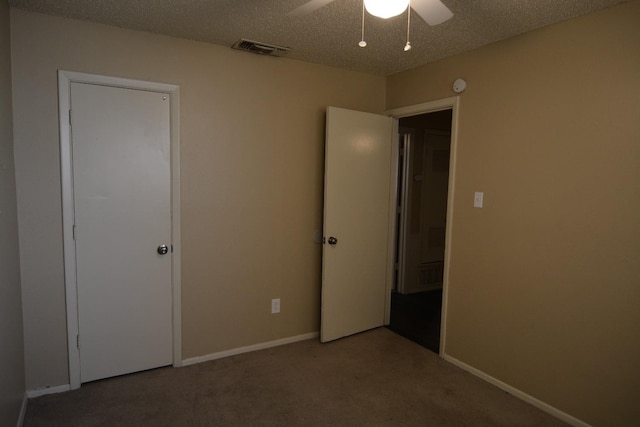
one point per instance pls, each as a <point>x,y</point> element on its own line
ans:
<point>329,35</point>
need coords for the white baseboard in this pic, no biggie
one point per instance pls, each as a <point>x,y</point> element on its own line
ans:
<point>23,410</point>
<point>249,348</point>
<point>48,390</point>
<point>518,393</point>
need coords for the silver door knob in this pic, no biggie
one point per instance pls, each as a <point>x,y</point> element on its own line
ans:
<point>332,240</point>
<point>163,249</point>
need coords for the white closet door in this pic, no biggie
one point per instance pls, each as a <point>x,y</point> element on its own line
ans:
<point>121,182</point>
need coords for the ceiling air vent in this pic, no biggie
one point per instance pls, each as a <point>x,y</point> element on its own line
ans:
<point>260,48</point>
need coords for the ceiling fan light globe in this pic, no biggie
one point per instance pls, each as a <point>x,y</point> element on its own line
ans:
<point>386,8</point>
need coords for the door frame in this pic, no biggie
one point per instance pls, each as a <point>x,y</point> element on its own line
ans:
<point>65,78</point>
<point>453,104</point>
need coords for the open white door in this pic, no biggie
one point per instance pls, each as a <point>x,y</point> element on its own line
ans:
<point>359,171</point>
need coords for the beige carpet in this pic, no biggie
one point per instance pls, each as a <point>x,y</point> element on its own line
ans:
<point>376,378</point>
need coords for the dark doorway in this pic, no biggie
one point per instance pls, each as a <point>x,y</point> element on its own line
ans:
<point>416,301</point>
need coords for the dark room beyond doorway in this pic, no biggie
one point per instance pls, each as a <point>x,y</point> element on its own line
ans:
<point>416,300</point>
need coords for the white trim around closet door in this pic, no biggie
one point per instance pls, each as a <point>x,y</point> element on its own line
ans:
<point>65,78</point>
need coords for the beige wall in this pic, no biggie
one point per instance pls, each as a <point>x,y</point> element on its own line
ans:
<point>252,170</point>
<point>544,287</point>
<point>545,279</point>
<point>12,384</point>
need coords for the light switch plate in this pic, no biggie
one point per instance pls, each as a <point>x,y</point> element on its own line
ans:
<point>478,199</point>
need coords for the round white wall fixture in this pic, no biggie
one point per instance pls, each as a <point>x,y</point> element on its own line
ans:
<point>459,85</point>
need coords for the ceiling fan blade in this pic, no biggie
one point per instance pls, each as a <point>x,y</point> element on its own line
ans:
<point>432,11</point>
<point>308,7</point>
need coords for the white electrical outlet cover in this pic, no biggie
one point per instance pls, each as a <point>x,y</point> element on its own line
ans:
<point>275,306</point>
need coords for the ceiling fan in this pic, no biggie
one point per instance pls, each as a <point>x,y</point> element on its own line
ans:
<point>433,12</point>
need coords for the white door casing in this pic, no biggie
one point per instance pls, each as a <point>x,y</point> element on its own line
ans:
<point>120,200</point>
<point>356,270</point>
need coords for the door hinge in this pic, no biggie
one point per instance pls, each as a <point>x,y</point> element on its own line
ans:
<point>73,231</point>
<point>69,117</point>
<point>78,341</point>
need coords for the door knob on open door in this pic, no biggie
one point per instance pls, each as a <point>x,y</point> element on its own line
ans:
<point>332,240</point>
<point>163,249</point>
